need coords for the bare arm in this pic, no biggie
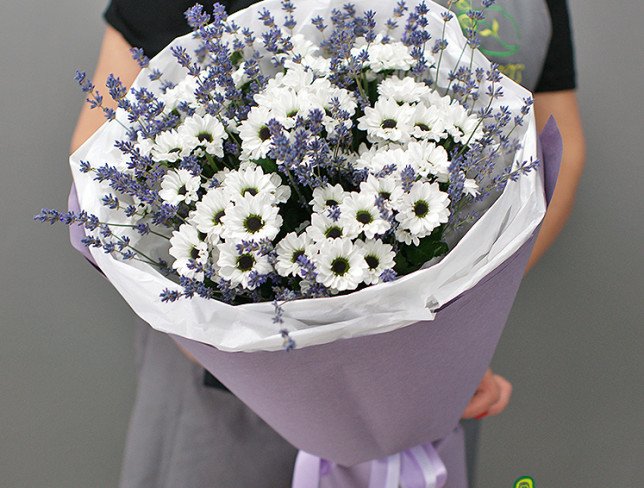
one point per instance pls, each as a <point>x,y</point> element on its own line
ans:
<point>114,57</point>
<point>563,106</point>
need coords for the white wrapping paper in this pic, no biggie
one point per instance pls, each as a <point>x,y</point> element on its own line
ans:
<point>381,308</point>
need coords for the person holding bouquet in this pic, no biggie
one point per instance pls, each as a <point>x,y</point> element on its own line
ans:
<point>186,429</point>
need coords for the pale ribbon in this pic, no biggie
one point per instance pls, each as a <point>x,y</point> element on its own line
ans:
<point>418,467</point>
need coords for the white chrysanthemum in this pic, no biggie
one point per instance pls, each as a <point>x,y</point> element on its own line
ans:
<point>423,209</point>
<point>204,132</point>
<point>250,179</point>
<point>391,56</point>
<point>403,235</point>
<point>286,106</point>
<point>208,214</point>
<point>346,98</point>
<point>323,91</point>
<point>314,97</point>
<point>237,267</point>
<point>387,120</point>
<point>429,159</point>
<point>462,126</point>
<point>169,146</point>
<point>282,192</point>
<point>185,245</point>
<point>327,196</point>
<point>283,103</point>
<point>403,90</point>
<point>340,265</point>
<point>324,228</point>
<point>288,250</point>
<point>427,123</point>
<point>434,99</point>
<point>239,76</point>
<point>296,77</point>
<point>252,218</point>
<point>378,256</point>
<point>178,186</point>
<point>367,152</point>
<point>184,91</point>
<point>308,53</point>
<point>320,96</point>
<point>217,179</point>
<point>254,133</point>
<point>321,86</point>
<point>144,145</point>
<point>470,187</point>
<point>319,65</point>
<point>377,159</point>
<point>302,46</point>
<point>359,210</point>
<point>387,188</point>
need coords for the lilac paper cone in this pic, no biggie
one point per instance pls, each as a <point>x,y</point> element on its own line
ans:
<point>369,397</point>
<point>365,398</point>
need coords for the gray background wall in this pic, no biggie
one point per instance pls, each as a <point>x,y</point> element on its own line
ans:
<point>573,347</point>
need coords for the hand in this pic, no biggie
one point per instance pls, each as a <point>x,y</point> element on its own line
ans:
<point>490,398</point>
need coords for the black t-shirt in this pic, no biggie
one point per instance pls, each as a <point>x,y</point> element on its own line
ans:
<point>559,68</point>
<point>152,24</point>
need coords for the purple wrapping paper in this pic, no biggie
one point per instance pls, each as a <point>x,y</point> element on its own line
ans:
<point>366,398</point>
<point>551,152</point>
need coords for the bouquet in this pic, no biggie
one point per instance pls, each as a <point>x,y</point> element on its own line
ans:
<point>284,183</point>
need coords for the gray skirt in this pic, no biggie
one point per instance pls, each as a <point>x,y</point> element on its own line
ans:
<point>185,434</point>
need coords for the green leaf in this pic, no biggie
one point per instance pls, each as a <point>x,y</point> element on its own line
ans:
<point>402,266</point>
<point>293,215</point>
<point>268,165</point>
<point>410,258</point>
<point>236,58</point>
<point>372,91</point>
